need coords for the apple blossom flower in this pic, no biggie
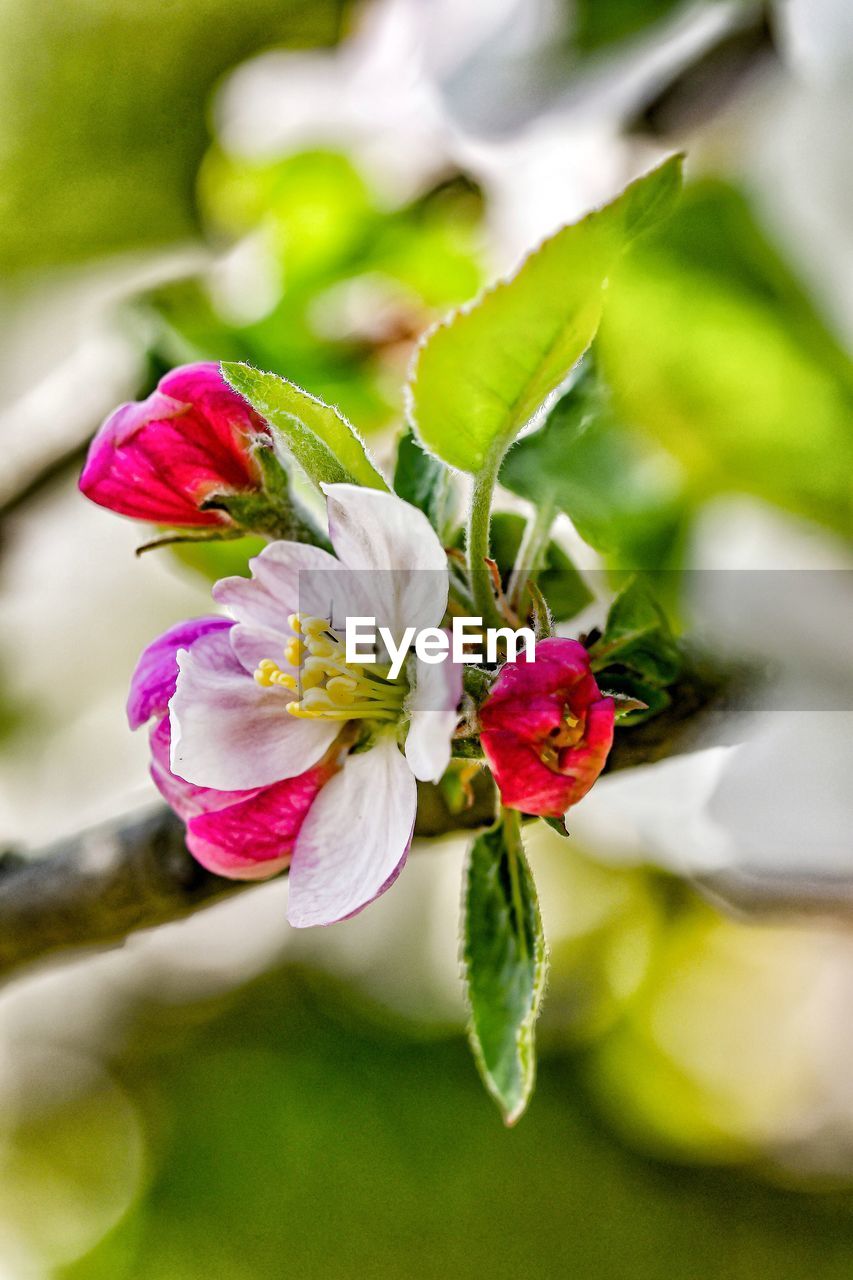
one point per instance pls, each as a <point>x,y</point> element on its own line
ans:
<point>272,734</point>
<point>242,834</point>
<point>546,730</point>
<point>159,459</point>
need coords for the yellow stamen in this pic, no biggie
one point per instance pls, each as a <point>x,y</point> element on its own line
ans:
<point>293,651</point>
<point>313,627</point>
<point>342,689</point>
<point>312,677</point>
<point>330,687</point>
<point>269,673</point>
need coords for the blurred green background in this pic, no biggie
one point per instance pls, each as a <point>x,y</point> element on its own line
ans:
<point>308,186</point>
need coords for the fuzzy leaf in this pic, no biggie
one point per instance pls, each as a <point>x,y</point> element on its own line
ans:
<point>635,701</point>
<point>637,636</point>
<point>421,479</point>
<point>319,438</point>
<point>484,373</point>
<point>505,965</point>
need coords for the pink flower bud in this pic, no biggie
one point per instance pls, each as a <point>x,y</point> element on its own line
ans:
<point>546,729</point>
<point>159,459</point>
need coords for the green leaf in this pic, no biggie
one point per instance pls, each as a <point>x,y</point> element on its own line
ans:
<point>623,494</point>
<point>424,481</point>
<point>319,438</point>
<point>627,691</point>
<point>505,964</point>
<point>637,636</point>
<point>484,373</point>
<point>558,825</point>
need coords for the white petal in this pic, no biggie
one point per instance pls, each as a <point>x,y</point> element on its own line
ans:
<point>355,839</point>
<point>252,644</point>
<point>379,535</point>
<point>433,707</point>
<point>282,577</point>
<point>230,733</point>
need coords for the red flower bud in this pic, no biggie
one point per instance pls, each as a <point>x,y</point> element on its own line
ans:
<point>546,729</point>
<point>159,459</point>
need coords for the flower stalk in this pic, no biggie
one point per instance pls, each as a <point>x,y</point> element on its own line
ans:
<point>531,553</point>
<point>478,547</point>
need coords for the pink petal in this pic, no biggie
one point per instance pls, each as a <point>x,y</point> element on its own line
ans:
<point>254,838</point>
<point>230,417</point>
<point>153,681</point>
<point>559,664</point>
<point>600,722</point>
<point>158,459</point>
<point>526,782</point>
<point>525,735</point>
<point>230,733</point>
<point>355,839</point>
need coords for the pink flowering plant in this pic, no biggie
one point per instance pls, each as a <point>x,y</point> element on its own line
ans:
<point>280,748</point>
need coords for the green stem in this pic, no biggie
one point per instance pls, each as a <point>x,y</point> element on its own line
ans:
<point>219,534</point>
<point>531,553</point>
<point>477,682</point>
<point>297,525</point>
<point>273,514</point>
<point>479,520</point>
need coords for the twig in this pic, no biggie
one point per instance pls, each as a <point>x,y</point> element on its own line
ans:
<point>40,478</point>
<point>71,459</point>
<point>95,889</point>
